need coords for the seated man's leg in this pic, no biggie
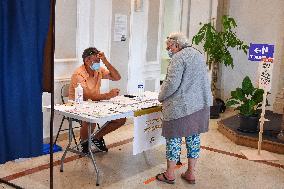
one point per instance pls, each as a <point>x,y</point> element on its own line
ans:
<point>111,126</point>
<point>84,130</point>
<point>84,136</point>
<point>98,140</point>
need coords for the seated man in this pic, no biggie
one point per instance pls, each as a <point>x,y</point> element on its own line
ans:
<point>89,75</point>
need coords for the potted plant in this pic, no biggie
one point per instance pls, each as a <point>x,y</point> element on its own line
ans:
<point>216,45</point>
<point>247,100</point>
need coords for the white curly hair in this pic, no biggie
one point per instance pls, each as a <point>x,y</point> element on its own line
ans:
<point>178,38</point>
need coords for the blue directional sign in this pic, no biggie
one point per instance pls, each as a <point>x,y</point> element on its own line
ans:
<point>259,51</point>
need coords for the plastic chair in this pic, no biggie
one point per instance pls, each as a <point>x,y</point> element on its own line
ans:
<point>64,95</point>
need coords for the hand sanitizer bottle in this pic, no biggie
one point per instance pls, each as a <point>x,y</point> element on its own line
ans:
<point>140,89</point>
<point>79,94</point>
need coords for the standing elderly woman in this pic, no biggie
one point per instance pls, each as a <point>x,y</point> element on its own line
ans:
<point>186,98</point>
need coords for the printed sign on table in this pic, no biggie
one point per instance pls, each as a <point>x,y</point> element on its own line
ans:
<point>147,132</point>
<point>259,51</point>
<point>265,75</point>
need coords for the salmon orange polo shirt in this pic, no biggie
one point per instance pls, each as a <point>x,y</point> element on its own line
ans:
<point>87,82</point>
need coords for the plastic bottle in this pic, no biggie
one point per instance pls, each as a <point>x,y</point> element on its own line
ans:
<point>140,89</point>
<point>79,94</point>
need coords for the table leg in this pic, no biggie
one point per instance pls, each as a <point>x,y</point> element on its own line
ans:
<point>146,158</point>
<point>68,146</point>
<point>91,153</point>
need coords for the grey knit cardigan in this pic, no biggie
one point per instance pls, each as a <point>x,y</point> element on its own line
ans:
<point>186,88</point>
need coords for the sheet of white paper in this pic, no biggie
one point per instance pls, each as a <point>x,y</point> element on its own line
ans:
<point>120,27</point>
<point>265,75</point>
<point>147,132</point>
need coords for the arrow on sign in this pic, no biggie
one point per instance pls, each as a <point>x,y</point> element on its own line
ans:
<point>257,50</point>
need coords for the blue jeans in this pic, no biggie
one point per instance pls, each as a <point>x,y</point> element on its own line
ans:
<point>173,147</point>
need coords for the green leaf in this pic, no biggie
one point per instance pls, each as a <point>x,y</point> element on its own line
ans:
<point>244,109</point>
<point>252,108</point>
<point>238,94</point>
<point>232,102</point>
<point>227,59</point>
<point>247,86</point>
<point>248,108</point>
<point>232,22</point>
<point>257,96</point>
<point>245,48</point>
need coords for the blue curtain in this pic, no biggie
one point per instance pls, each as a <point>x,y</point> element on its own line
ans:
<point>23,30</point>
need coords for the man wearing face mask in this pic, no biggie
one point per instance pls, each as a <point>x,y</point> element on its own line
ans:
<point>89,75</point>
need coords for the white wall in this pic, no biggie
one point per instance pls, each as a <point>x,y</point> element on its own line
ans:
<point>137,46</point>
<point>153,36</point>
<point>171,21</point>
<point>120,49</point>
<point>153,31</point>
<point>102,18</point>
<point>259,21</point>
<point>174,15</point>
<point>144,46</point>
<point>65,16</point>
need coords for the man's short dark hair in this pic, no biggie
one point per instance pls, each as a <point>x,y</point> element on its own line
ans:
<point>89,51</point>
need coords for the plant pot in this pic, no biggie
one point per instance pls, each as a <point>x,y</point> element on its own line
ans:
<point>215,111</point>
<point>248,124</point>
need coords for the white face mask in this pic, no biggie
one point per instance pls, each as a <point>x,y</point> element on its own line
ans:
<point>95,66</point>
<point>170,53</point>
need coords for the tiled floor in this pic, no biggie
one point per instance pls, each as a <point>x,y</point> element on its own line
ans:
<point>221,165</point>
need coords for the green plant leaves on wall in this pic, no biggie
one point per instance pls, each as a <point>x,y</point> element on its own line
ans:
<point>216,44</point>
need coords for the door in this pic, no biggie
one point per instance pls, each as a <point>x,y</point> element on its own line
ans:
<point>145,45</point>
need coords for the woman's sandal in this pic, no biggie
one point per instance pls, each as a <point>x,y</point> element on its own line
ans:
<point>183,176</point>
<point>165,179</point>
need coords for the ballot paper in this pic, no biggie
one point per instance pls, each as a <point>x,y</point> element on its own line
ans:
<point>111,107</point>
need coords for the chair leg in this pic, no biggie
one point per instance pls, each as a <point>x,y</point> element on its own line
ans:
<point>59,129</point>
<point>75,139</point>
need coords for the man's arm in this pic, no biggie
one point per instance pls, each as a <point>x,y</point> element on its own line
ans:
<point>88,93</point>
<point>113,73</point>
<point>104,96</point>
<point>98,97</point>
